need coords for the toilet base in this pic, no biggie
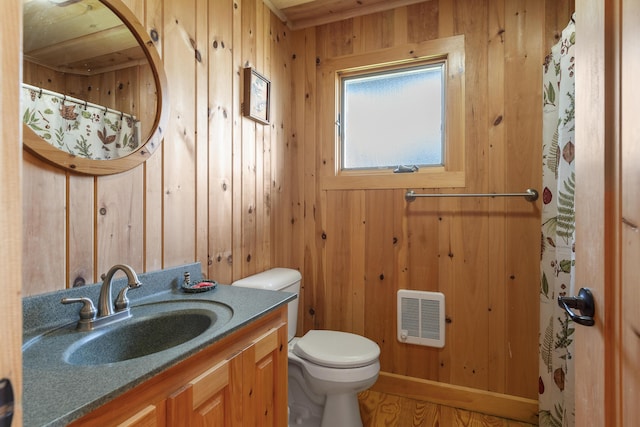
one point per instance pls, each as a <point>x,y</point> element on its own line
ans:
<point>301,418</point>
<point>341,410</point>
<point>305,406</point>
<point>309,409</point>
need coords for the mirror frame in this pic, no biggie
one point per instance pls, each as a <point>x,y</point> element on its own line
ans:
<point>70,162</point>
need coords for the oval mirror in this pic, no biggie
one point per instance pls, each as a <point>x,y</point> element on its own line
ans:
<point>93,98</point>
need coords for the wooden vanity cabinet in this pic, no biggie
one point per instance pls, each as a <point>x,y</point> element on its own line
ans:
<point>238,381</point>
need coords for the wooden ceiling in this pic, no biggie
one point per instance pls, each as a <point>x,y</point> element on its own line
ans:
<point>77,37</point>
<point>308,13</point>
<point>71,36</point>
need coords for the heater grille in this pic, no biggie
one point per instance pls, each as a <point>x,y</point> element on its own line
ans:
<point>421,318</point>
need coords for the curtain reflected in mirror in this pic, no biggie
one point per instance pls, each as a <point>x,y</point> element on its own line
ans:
<point>78,127</point>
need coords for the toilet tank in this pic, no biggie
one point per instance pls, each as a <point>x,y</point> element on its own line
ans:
<point>278,279</point>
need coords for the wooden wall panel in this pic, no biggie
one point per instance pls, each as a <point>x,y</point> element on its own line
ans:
<point>221,106</point>
<point>201,54</point>
<point>179,168</point>
<point>344,249</point>
<point>44,198</point>
<point>288,202</point>
<point>153,21</point>
<point>262,253</point>
<point>120,221</point>
<point>379,298</point>
<point>481,253</point>
<point>422,22</point>
<point>250,140</point>
<point>418,228</point>
<point>470,246</point>
<point>523,53</point>
<point>303,122</point>
<point>81,234</point>
<point>497,297</point>
<point>11,200</point>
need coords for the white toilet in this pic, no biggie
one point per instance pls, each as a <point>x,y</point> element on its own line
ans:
<point>327,369</point>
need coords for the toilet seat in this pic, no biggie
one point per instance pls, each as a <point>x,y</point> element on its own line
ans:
<point>335,349</point>
<point>336,375</point>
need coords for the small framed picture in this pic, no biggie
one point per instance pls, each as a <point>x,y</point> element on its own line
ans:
<point>257,91</point>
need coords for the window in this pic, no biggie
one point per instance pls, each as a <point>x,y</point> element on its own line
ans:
<point>400,106</point>
<point>393,117</point>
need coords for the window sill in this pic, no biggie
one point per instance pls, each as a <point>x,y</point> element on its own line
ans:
<point>389,180</point>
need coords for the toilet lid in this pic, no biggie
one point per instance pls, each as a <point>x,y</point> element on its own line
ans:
<point>336,349</point>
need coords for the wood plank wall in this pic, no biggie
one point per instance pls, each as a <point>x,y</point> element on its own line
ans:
<point>208,194</point>
<point>241,197</point>
<point>361,246</point>
<point>11,202</point>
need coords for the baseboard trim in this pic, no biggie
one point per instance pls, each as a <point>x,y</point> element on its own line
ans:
<point>486,402</point>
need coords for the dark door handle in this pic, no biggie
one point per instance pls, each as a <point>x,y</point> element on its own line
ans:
<point>584,303</point>
<point>6,403</point>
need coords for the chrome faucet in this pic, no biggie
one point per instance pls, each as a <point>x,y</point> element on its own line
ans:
<point>105,307</point>
<point>105,312</point>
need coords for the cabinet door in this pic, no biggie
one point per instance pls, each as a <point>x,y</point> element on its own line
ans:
<point>150,416</point>
<point>212,399</point>
<point>126,413</point>
<point>265,380</point>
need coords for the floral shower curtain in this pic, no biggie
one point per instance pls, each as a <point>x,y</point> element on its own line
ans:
<point>82,129</point>
<point>556,394</point>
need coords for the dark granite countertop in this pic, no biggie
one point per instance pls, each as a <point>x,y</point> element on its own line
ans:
<point>57,393</point>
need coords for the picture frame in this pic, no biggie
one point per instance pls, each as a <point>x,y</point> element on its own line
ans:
<point>257,94</point>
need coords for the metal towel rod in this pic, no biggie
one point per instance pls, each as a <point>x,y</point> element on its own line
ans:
<point>530,195</point>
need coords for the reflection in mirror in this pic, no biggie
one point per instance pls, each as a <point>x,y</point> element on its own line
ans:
<point>94,88</point>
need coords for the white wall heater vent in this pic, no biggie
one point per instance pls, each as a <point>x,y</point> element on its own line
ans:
<point>421,318</point>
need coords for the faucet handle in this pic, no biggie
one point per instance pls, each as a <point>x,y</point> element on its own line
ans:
<point>122,301</point>
<point>88,310</point>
